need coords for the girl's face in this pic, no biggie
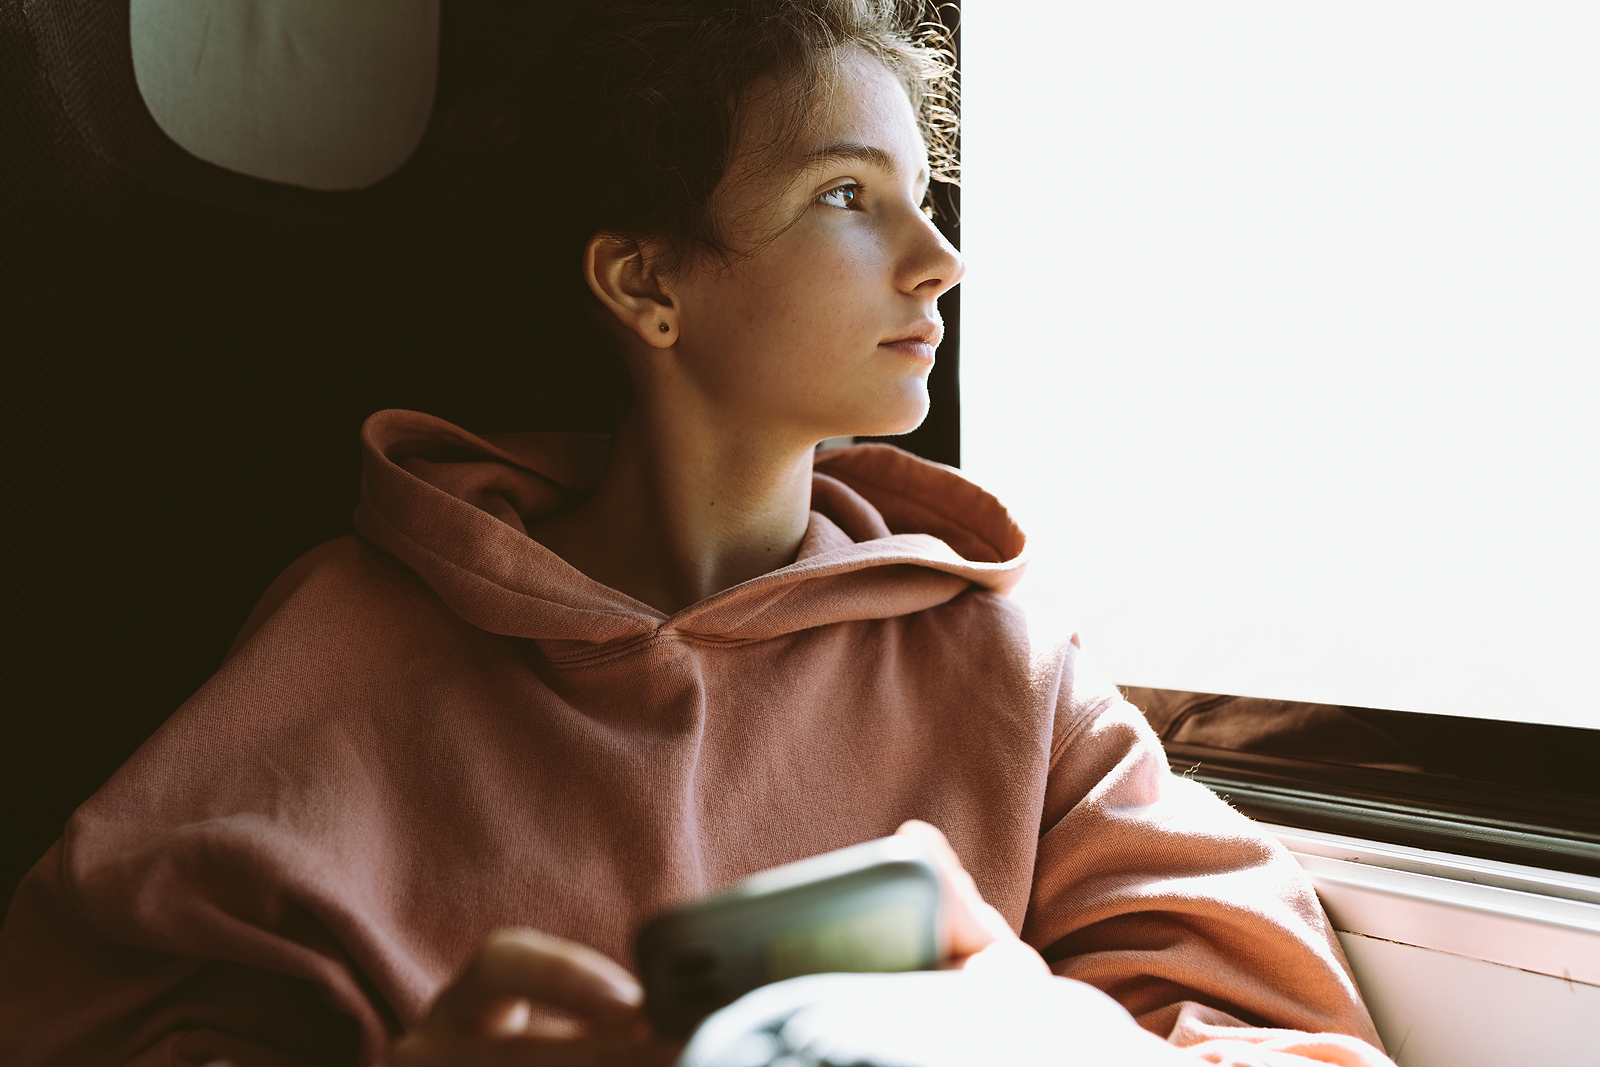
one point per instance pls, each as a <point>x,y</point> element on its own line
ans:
<point>830,328</point>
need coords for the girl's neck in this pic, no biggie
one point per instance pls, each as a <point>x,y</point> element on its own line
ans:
<point>686,509</point>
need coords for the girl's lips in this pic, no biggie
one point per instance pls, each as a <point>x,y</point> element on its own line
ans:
<point>913,347</point>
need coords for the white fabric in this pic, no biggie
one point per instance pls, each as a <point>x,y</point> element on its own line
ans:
<point>926,1019</point>
<point>326,94</point>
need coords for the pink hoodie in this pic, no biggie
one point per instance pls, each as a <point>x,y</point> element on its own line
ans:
<point>439,728</point>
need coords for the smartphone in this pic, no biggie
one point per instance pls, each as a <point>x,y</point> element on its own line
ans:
<point>869,907</point>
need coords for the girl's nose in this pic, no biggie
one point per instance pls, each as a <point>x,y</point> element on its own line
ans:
<point>936,265</point>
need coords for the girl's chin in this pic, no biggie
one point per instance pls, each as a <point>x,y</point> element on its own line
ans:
<point>902,418</point>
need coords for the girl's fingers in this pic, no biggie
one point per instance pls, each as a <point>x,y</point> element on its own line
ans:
<point>971,923</point>
<point>1007,957</point>
<point>526,966</point>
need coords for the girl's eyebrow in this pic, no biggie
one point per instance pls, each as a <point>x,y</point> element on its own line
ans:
<point>865,153</point>
<point>850,150</point>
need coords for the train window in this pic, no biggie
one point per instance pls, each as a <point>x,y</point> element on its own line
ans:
<point>1280,339</point>
<point>1304,301</point>
<point>1306,317</point>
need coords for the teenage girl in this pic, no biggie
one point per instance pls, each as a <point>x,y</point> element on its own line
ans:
<point>560,681</point>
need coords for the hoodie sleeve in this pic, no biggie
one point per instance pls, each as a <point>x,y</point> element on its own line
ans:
<point>71,996</point>
<point>204,905</point>
<point>1151,888</point>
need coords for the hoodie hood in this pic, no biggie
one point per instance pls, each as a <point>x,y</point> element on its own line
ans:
<point>889,534</point>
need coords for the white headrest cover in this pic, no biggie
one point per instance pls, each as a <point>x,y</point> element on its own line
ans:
<point>327,94</point>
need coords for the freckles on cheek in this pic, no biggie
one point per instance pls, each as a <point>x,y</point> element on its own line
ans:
<point>816,302</point>
<point>846,289</point>
<point>756,307</point>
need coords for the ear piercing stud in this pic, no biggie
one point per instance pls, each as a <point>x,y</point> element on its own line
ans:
<point>665,328</point>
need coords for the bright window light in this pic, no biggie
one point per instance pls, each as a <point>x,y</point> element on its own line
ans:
<point>1281,335</point>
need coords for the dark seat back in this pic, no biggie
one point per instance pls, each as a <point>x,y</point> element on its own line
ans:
<point>188,354</point>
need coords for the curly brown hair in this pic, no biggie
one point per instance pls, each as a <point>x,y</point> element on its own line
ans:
<point>624,121</point>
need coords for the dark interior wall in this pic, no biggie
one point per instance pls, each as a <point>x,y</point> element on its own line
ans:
<point>185,371</point>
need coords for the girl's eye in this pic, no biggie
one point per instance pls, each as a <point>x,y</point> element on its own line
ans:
<point>842,196</point>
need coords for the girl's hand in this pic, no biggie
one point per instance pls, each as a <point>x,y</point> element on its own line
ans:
<point>979,937</point>
<point>499,1011</point>
<point>996,1002</point>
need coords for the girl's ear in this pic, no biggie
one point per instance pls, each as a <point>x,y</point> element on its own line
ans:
<point>622,274</point>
